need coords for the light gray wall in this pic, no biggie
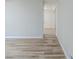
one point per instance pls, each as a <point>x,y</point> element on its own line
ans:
<point>64,26</point>
<point>24,18</point>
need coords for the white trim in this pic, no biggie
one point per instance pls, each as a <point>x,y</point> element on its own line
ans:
<point>40,37</point>
<point>67,57</point>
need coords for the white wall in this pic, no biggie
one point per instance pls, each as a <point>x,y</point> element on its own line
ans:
<point>24,18</point>
<point>64,26</point>
<point>49,18</point>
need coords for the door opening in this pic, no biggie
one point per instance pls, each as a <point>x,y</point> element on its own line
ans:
<point>49,17</point>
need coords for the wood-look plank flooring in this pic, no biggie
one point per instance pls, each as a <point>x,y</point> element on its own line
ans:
<point>46,48</point>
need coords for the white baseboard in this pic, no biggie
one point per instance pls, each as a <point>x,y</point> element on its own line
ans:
<point>67,57</point>
<point>24,37</point>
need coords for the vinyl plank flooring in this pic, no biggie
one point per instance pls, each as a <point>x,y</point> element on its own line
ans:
<point>46,48</point>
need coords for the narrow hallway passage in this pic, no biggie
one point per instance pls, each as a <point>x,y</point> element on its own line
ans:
<point>46,48</point>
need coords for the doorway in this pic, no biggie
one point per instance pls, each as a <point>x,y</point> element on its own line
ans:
<point>49,17</point>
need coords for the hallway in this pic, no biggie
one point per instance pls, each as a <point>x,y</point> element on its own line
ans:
<point>46,48</point>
